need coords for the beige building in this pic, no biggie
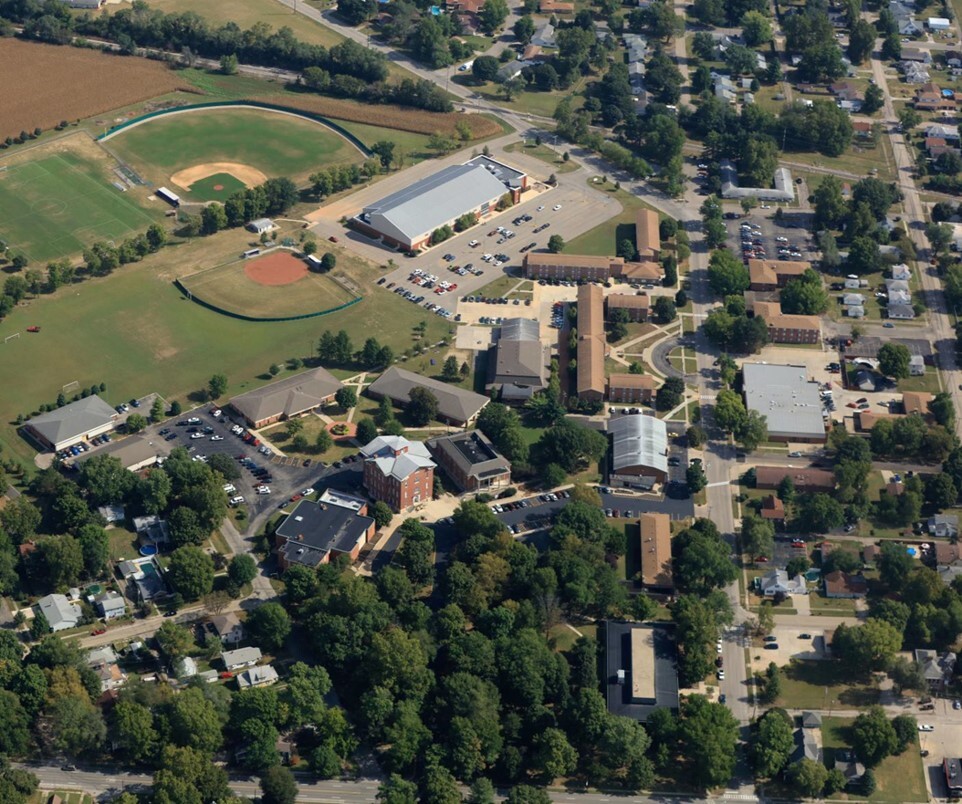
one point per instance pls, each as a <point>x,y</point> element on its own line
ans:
<point>591,343</point>
<point>656,572</point>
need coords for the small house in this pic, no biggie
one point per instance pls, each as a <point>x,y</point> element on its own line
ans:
<point>943,526</point>
<point>228,628</point>
<point>111,605</point>
<point>257,677</point>
<point>840,584</point>
<point>261,225</point>
<point>777,582</point>
<point>242,657</point>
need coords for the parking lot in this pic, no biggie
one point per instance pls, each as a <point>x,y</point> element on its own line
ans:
<point>768,240</point>
<point>793,643</point>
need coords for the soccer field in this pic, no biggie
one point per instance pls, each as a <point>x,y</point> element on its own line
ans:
<point>57,205</point>
<point>274,143</point>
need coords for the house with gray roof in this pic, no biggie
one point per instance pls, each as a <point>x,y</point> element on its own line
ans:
<point>242,657</point>
<point>111,605</point>
<point>407,218</point>
<point>61,613</point>
<point>944,526</point>
<point>777,582</point>
<point>938,669</point>
<point>900,312</point>
<point>288,398</point>
<point>544,36</point>
<point>63,427</point>
<point>257,677</point>
<point>455,405</point>
<point>806,746</point>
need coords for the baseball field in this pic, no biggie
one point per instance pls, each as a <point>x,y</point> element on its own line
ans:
<point>225,148</point>
<point>275,285</point>
<point>59,203</point>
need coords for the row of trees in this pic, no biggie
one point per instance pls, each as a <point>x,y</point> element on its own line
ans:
<point>336,348</point>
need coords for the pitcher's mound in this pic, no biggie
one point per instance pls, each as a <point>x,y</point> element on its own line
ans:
<point>282,268</point>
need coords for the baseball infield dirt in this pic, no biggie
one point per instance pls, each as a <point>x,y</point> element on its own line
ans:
<point>245,173</point>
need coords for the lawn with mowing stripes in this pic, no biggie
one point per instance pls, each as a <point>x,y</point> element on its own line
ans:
<point>61,203</point>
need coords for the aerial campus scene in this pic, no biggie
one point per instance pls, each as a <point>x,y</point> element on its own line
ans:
<point>530,401</point>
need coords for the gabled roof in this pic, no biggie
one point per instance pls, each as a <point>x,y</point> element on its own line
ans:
<point>73,420</point>
<point>520,357</point>
<point>656,569</point>
<point>287,397</point>
<point>454,403</point>
<point>232,658</point>
<point>59,611</point>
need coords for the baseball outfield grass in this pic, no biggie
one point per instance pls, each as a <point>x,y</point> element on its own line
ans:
<point>276,144</point>
<point>60,203</point>
<point>137,333</point>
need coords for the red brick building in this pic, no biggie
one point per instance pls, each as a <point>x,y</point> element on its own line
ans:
<point>637,306</point>
<point>398,472</point>
<point>631,389</point>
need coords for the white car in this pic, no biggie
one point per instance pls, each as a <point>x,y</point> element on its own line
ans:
<point>193,420</point>
<point>718,647</point>
<point>216,438</point>
<point>263,489</point>
<point>556,207</point>
<point>237,429</point>
<point>307,491</point>
<point>229,488</point>
<point>721,675</point>
<point>540,209</point>
<point>216,413</point>
<point>474,243</point>
<point>236,500</point>
<point>926,727</point>
<point>195,436</point>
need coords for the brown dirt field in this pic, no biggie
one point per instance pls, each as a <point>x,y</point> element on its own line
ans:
<point>66,83</point>
<point>416,120</point>
<point>276,269</point>
<point>249,175</point>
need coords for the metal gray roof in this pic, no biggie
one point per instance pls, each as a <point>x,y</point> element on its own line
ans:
<point>397,457</point>
<point>430,203</point>
<point>521,358</point>
<point>638,441</point>
<point>786,398</point>
<point>73,420</point>
<point>59,611</point>
<point>287,397</point>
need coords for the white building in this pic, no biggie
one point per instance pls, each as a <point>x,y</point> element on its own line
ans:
<point>938,24</point>
<point>61,613</point>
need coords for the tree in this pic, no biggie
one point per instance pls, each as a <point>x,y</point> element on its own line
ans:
<point>861,40</point>
<point>493,16</point>
<point>523,29</point>
<point>396,790</point>
<point>485,68</point>
<point>382,514</point>
<point>773,743</point>
<point>105,479</point>
<point>695,478</point>
<point>869,646</point>
<point>553,754</point>
<point>726,274</point>
<point>701,558</point>
<point>135,423</point>
<point>269,626</point>
<point>756,28</point>
<point>664,310</point>
<point>449,372</point>
<point>757,536</point>
<point>384,151</point>
<point>556,244</point>
<point>873,736</point>
<point>173,640</point>
<point>95,546</point>
<point>819,513</point>
<point>893,360</point>
<point>830,206</point>
<point>695,436</point>
<point>708,735</point>
<point>278,786</point>
<point>76,725</point>
<point>189,776</point>
<point>671,394</point>
<point>906,727</point>
<point>346,397</point>
<point>366,430</point>
<point>157,411</point>
<point>874,99</point>
<point>133,730</point>
<point>217,386</point>
<point>191,572</point>
<point>805,295</point>
<point>807,777</point>
<point>422,406</point>
<point>241,570</point>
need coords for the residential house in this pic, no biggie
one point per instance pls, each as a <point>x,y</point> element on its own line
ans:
<point>152,530</point>
<point>853,299</point>
<point>917,402</point>
<point>947,133</point>
<point>916,366</point>
<point>943,526</point>
<point>103,661</point>
<point>110,605</point>
<point>914,73</point>
<point>241,657</point>
<point>61,612</point>
<point>861,129</point>
<point>852,284</point>
<point>901,271</point>
<point>228,628</point>
<point>953,58</point>
<point>724,88</point>
<point>929,98</point>
<point>398,472</point>
<point>939,670</point>
<point>257,677</point>
<point>811,720</point>
<point>847,91</point>
<point>185,667</point>
<point>471,461</point>
<point>900,312</point>
<point>916,55</point>
<point>840,584</point>
<point>773,508</point>
<point>938,24</point>
<point>544,36</point>
<point>806,746</point>
<point>855,311</point>
<point>909,27</point>
<point>776,582</point>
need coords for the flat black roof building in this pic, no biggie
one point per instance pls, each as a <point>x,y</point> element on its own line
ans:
<point>640,674</point>
<point>314,530</point>
<point>471,460</point>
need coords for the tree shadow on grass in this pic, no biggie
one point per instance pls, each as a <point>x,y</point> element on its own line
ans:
<point>858,691</point>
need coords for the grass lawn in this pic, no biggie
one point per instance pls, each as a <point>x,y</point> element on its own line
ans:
<point>148,337</point>
<point>501,287</point>
<point>926,382</point>
<point>832,607</point>
<point>276,144</point>
<point>604,238</point>
<point>312,426</point>
<point>60,203</point>
<point>414,146</point>
<point>542,104</point>
<point>67,796</point>
<point>817,684</point>
<point>123,543</point>
<point>899,778</point>
<point>859,159</point>
<point>545,154</point>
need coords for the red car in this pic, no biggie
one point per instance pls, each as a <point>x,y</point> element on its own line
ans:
<point>332,239</point>
<point>226,674</point>
<point>762,560</point>
<point>295,498</point>
<point>98,632</point>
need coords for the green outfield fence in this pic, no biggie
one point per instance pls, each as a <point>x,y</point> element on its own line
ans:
<point>271,319</point>
<point>270,107</point>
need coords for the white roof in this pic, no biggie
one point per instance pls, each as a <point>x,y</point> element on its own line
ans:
<point>786,398</point>
<point>232,658</point>
<point>59,611</point>
<point>430,203</point>
<point>265,674</point>
<point>638,441</point>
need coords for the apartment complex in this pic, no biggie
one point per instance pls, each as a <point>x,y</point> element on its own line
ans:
<point>631,389</point>
<point>591,344</point>
<point>785,328</point>
<point>583,267</point>
<point>774,274</point>
<point>638,306</point>
<point>647,235</point>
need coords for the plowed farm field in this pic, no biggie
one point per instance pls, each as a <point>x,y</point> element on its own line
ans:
<point>47,83</point>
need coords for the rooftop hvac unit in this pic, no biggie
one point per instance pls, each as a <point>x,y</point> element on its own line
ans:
<point>621,680</point>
